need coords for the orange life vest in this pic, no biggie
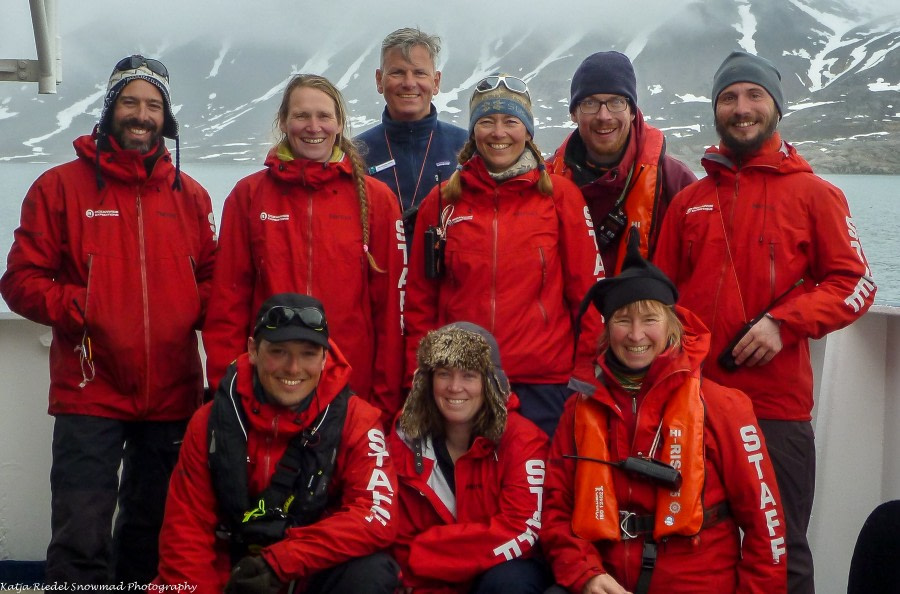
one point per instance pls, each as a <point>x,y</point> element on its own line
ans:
<point>678,513</point>
<point>641,200</point>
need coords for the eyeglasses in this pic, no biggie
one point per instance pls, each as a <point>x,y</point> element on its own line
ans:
<point>136,61</point>
<point>516,85</point>
<point>281,316</point>
<point>592,106</point>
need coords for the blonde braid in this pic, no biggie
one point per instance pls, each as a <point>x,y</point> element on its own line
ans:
<point>359,177</point>
<point>453,188</point>
<point>545,184</point>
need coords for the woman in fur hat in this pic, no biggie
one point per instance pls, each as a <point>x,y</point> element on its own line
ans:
<point>470,471</point>
<point>519,253</point>
<point>655,471</point>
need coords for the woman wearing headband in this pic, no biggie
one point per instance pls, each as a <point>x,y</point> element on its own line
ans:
<point>312,222</point>
<point>518,253</point>
<point>658,479</point>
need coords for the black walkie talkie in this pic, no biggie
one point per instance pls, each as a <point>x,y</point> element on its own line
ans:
<point>435,240</point>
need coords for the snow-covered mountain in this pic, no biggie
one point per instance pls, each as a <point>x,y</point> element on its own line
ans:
<point>840,65</point>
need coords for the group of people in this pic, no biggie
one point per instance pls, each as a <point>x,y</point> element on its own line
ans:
<point>638,436</point>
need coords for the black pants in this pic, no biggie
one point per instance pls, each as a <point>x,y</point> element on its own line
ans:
<point>792,448</point>
<point>542,404</point>
<point>516,576</point>
<point>374,574</point>
<point>85,489</point>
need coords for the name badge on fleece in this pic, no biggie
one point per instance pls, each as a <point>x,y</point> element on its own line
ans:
<point>382,167</point>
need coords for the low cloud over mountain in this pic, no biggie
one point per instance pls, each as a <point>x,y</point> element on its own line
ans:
<point>840,62</point>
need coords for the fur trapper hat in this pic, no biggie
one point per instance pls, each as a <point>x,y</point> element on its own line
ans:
<point>461,345</point>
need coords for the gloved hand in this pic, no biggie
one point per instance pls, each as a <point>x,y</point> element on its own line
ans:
<point>252,575</point>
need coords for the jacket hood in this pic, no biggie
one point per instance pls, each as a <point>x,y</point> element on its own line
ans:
<point>475,173</point>
<point>671,364</point>
<point>775,154</point>
<point>312,174</point>
<point>262,415</point>
<point>125,165</point>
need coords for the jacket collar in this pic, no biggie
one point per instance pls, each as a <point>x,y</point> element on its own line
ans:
<point>128,166</point>
<point>400,131</point>
<point>312,174</point>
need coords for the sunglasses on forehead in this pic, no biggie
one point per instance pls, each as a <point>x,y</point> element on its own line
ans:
<point>136,61</point>
<point>516,85</point>
<point>281,316</point>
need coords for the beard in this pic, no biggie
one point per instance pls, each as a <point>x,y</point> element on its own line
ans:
<point>744,147</point>
<point>142,146</point>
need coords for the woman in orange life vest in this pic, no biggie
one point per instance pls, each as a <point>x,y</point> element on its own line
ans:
<point>635,526</point>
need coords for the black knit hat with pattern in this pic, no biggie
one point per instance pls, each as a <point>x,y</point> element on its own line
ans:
<point>639,280</point>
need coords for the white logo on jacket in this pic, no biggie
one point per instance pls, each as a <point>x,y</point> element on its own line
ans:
<point>264,216</point>
<point>511,549</point>
<point>379,484</point>
<point>865,286</point>
<point>90,213</point>
<point>753,445</point>
<point>701,208</point>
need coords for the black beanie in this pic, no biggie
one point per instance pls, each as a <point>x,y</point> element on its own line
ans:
<point>743,67</point>
<point>639,280</point>
<point>604,72</point>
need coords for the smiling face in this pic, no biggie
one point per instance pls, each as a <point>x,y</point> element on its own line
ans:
<point>638,333</point>
<point>408,85</point>
<point>138,116</point>
<point>746,117</point>
<point>604,133</point>
<point>288,371</point>
<point>311,124</point>
<point>458,394</point>
<point>500,140</point>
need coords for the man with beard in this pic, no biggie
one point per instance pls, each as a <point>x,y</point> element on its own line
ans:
<point>115,252</point>
<point>766,253</point>
<point>617,159</point>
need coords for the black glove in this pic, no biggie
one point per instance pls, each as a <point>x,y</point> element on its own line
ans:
<point>252,575</point>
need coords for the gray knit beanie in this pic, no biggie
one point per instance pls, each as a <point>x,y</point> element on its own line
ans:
<point>743,67</point>
<point>604,73</point>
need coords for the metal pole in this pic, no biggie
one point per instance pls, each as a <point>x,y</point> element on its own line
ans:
<point>45,47</point>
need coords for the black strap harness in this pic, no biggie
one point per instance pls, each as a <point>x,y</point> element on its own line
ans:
<point>297,494</point>
<point>633,526</point>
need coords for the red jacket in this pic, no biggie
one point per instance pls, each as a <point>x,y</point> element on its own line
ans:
<point>499,493</point>
<point>783,223</point>
<point>646,153</point>
<point>136,257</point>
<point>737,467</point>
<point>295,227</point>
<point>518,263</point>
<point>358,523</point>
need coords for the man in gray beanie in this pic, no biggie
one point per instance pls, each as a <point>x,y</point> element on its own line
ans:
<point>604,155</point>
<point>125,371</point>
<point>763,238</point>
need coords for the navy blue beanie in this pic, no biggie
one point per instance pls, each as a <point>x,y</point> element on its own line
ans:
<point>743,67</point>
<point>607,73</point>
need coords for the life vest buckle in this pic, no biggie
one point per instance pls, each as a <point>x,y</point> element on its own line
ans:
<point>626,521</point>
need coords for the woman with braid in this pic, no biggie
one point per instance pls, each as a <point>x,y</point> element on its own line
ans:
<point>519,254</point>
<point>312,222</point>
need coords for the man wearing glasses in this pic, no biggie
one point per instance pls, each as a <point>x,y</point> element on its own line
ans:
<point>284,481</point>
<point>617,159</point>
<point>115,252</point>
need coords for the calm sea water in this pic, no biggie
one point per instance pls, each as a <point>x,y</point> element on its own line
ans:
<point>874,202</point>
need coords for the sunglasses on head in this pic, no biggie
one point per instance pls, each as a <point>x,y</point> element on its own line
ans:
<point>136,61</point>
<point>516,85</point>
<point>281,316</point>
